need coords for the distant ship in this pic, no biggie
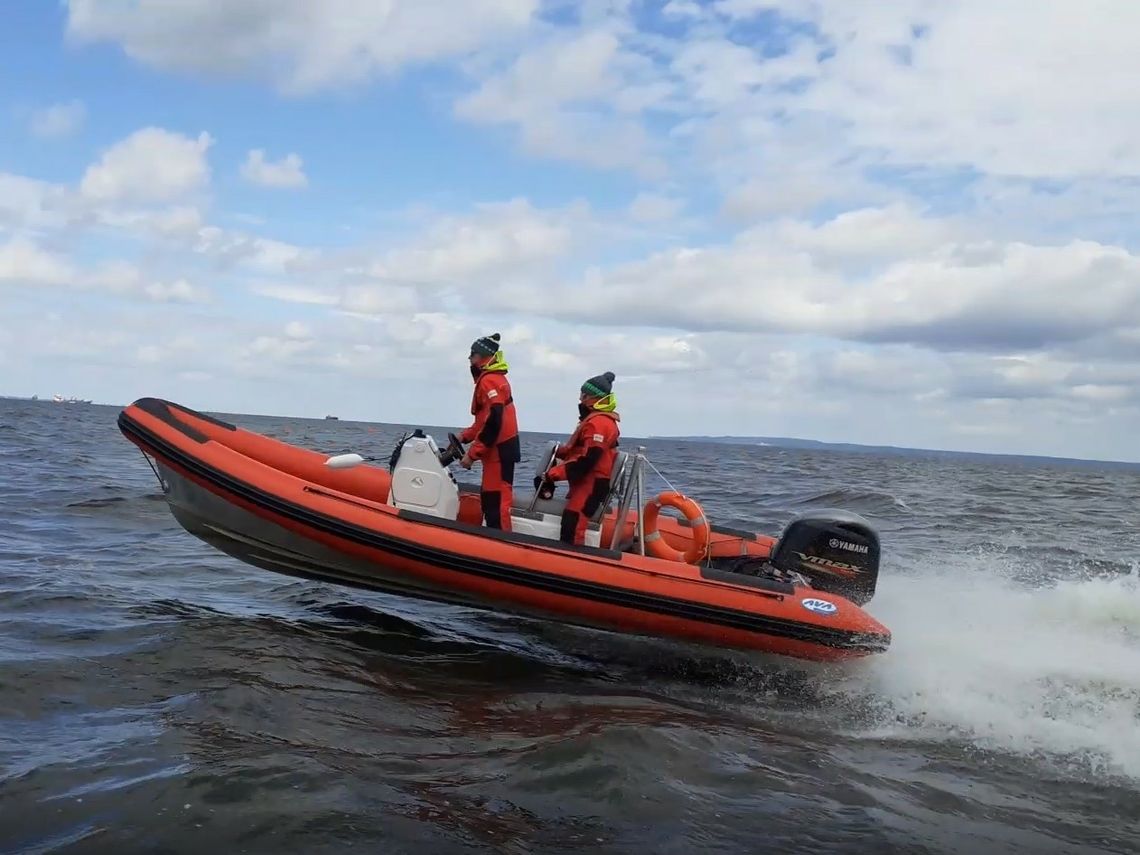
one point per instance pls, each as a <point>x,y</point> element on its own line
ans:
<point>333,418</point>
<point>59,399</point>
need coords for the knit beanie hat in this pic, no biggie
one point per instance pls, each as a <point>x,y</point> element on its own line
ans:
<point>599,386</point>
<point>488,345</point>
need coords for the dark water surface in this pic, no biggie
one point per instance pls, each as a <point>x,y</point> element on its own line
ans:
<point>158,696</point>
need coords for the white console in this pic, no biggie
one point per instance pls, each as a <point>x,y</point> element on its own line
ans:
<point>421,483</point>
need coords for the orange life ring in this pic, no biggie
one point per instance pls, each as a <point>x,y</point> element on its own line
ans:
<point>657,546</point>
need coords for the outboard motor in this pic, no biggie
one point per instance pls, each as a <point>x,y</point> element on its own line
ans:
<point>837,551</point>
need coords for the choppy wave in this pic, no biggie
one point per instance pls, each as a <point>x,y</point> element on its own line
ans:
<point>865,501</point>
<point>154,693</point>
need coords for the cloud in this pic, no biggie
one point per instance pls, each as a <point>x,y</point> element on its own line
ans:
<point>24,263</point>
<point>29,203</point>
<point>505,238</point>
<point>175,222</point>
<point>765,216</point>
<point>294,294</point>
<point>914,292</point>
<point>880,276</point>
<point>455,262</point>
<point>178,291</point>
<point>906,85</point>
<point>884,275</point>
<point>632,354</point>
<point>652,207</point>
<point>576,97</point>
<point>150,165</point>
<point>287,172</point>
<point>58,120</point>
<point>227,249</point>
<point>301,47</point>
<point>42,206</point>
<point>913,84</point>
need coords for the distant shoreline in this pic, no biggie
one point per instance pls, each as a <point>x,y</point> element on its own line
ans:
<point>794,443</point>
<point>776,442</point>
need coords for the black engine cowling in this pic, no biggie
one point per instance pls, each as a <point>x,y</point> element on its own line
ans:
<point>837,551</point>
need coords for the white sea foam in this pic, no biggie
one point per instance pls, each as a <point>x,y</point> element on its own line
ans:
<point>1039,671</point>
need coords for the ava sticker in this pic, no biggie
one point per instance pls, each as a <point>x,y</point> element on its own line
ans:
<point>822,607</point>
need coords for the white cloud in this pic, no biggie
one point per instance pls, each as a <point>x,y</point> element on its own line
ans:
<point>287,172</point>
<point>28,203</point>
<point>297,330</point>
<point>905,84</point>
<point>471,258</point>
<point>379,299</point>
<point>178,291</point>
<point>58,120</point>
<point>228,249</point>
<point>41,206</point>
<point>150,165</point>
<point>124,279</point>
<point>881,275</point>
<point>276,349</point>
<point>682,9</point>
<point>791,230</point>
<point>888,233</point>
<point>913,83</point>
<point>302,47</point>
<point>632,354</point>
<point>652,207</point>
<point>576,98</point>
<point>178,222</point>
<point>294,293</point>
<point>502,239</point>
<point>24,263</point>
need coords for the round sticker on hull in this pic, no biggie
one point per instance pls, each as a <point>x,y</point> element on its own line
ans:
<point>822,607</point>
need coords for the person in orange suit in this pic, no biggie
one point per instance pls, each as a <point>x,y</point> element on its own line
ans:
<point>587,458</point>
<point>494,435</point>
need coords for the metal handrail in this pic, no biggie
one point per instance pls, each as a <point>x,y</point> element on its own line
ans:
<point>634,487</point>
<point>551,448</point>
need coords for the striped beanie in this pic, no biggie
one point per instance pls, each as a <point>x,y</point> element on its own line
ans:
<point>599,386</point>
<point>488,345</point>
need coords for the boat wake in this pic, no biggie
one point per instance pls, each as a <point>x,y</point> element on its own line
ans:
<point>980,660</point>
<point>983,659</point>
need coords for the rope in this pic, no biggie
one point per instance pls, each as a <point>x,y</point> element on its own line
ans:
<point>161,483</point>
<point>662,477</point>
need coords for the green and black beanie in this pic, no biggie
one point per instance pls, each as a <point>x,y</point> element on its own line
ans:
<point>599,386</point>
<point>488,345</point>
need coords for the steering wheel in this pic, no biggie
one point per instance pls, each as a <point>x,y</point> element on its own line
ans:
<point>453,452</point>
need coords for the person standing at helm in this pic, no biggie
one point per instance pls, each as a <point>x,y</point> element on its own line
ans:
<point>494,435</point>
<point>588,456</point>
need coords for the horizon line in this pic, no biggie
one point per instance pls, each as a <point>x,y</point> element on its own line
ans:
<point>733,439</point>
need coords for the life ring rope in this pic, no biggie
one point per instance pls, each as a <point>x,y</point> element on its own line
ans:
<point>694,514</point>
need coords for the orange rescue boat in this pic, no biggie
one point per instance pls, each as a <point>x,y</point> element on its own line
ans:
<point>412,530</point>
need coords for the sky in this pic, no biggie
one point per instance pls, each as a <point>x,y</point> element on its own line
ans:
<point>912,223</point>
